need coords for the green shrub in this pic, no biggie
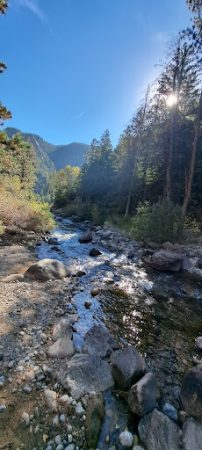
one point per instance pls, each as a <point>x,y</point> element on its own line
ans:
<point>20,207</point>
<point>159,222</point>
<point>121,223</point>
<point>191,225</point>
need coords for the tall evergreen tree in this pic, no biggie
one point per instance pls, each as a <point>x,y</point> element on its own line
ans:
<point>4,112</point>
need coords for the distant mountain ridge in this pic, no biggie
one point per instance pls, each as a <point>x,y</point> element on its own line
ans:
<point>54,157</point>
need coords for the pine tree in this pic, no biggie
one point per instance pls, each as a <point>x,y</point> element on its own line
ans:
<point>4,112</point>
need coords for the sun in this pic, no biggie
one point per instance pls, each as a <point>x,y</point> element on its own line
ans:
<point>171,100</point>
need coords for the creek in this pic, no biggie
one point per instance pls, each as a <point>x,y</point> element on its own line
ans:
<point>160,314</point>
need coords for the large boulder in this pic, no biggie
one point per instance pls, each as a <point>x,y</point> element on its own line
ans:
<point>143,395</point>
<point>165,261</point>
<point>128,366</point>
<point>98,341</point>
<point>158,432</point>
<point>191,392</point>
<point>192,435</point>
<point>85,373</point>
<point>86,237</point>
<point>94,418</point>
<point>47,269</point>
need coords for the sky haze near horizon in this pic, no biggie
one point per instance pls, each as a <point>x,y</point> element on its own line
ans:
<point>77,67</point>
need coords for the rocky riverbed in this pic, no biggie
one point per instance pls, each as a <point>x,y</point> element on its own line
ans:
<point>68,379</point>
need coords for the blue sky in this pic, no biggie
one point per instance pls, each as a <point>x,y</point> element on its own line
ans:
<point>77,67</point>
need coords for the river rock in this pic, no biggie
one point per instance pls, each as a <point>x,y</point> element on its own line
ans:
<point>86,237</point>
<point>51,399</point>
<point>199,262</point>
<point>192,435</point>
<point>95,291</point>
<point>143,395</point>
<point>191,392</point>
<point>85,373</point>
<point>56,248</point>
<point>64,327</point>
<point>170,411</point>
<point>53,241</point>
<point>25,419</point>
<point>158,432</point>
<point>98,341</point>
<point>62,348</point>
<point>165,261</point>
<point>137,447</point>
<point>198,343</point>
<point>126,439</point>
<point>95,252</point>
<point>194,274</point>
<point>47,269</point>
<point>105,234</point>
<point>128,366</point>
<point>94,418</point>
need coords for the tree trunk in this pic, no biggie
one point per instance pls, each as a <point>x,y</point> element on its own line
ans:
<point>136,155</point>
<point>188,186</point>
<point>170,154</point>
<point>131,184</point>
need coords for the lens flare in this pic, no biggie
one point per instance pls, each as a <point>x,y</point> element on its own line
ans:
<point>171,100</point>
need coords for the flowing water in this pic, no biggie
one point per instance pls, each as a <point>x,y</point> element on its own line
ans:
<point>162,322</point>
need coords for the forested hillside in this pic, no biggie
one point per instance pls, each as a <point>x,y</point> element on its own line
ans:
<point>54,156</point>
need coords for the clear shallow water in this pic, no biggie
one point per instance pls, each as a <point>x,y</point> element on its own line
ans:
<point>162,322</point>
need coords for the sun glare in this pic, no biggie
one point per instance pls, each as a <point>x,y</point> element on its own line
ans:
<point>171,100</point>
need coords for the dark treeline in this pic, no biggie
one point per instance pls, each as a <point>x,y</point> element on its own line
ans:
<point>159,155</point>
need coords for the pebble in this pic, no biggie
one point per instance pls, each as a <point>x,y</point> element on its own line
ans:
<point>25,419</point>
<point>95,292</point>
<point>59,447</point>
<point>70,447</point>
<point>88,305</point>
<point>126,439</point>
<point>27,389</point>
<point>198,343</point>
<point>2,408</point>
<point>58,439</point>
<point>69,438</point>
<point>10,364</point>
<point>69,428</point>
<point>79,409</point>
<point>51,399</point>
<point>64,399</point>
<point>170,411</point>
<point>62,418</point>
<point>2,381</point>
<point>55,421</point>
